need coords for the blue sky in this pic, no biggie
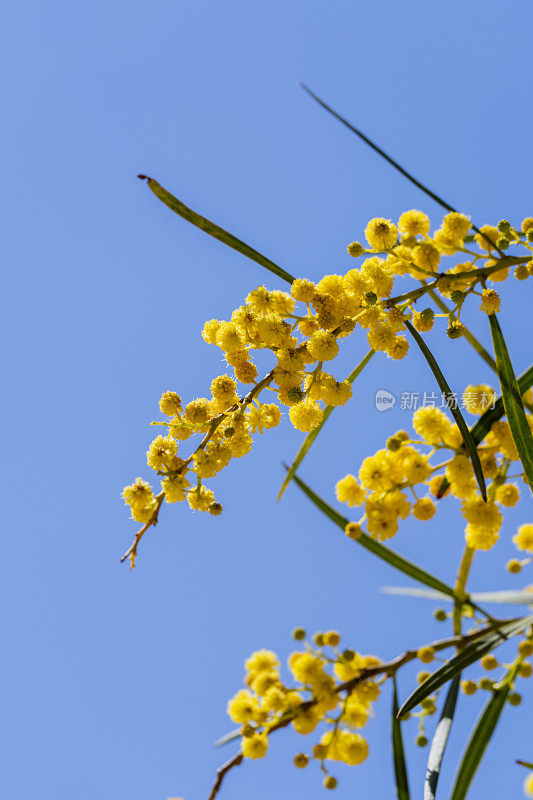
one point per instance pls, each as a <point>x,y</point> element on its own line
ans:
<point>114,684</point>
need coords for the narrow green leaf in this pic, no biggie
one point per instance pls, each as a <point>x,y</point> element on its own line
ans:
<point>385,156</point>
<point>229,737</point>
<point>468,335</point>
<point>440,740</point>
<point>527,764</point>
<point>310,438</point>
<point>379,150</point>
<point>512,400</point>
<point>492,415</point>
<point>481,736</point>
<point>378,549</point>
<point>452,405</point>
<point>222,235</point>
<point>505,596</point>
<point>412,591</point>
<point>471,653</point>
<point>400,767</point>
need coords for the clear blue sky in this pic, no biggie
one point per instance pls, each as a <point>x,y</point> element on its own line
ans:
<point>114,684</point>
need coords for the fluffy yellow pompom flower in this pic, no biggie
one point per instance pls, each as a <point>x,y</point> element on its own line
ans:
<point>431,423</point>
<point>223,390</point>
<point>305,416</point>
<point>528,785</point>
<point>381,234</point>
<point>414,223</point>
<point>508,494</point>
<point>197,411</point>
<point>323,346</point>
<point>170,404</point>
<point>479,538</point>
<point>348,491</point>
<point>490,301</point>
<point>261,661</point>
<point>456,225</point>
<point>426,655</point>
<point>477,399</point>
<point>243,707</point>
<point>174,488</point>
<point>487,237</point>
<point>424,509</point>
<point>524,538</point>
<point>426,256</point>
<point>303,290</point>
<point>254,746</point>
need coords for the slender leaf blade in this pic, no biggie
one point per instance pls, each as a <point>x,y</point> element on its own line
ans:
<point>400,767</point>
<point>518,597</point>
<point>481,736</point>
<point>310,438</point>
<point>491,415</point>
<point>452,405</point>
<point>440,740</point>
<point>527,764</point>
<point>214,230</point>
<point>512,400</point>
<point>464,658</point>
<point>378,549</point>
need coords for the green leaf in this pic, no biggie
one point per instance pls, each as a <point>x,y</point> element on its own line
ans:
<point>471,653</point>
<point>452,405</point>
<point>440,740</point>
<point>310,438</point>
<point>527,764</point>
<point>380,151</point>
<point>378,549</point>
<point>506,596</point>
<point>512,400</point>
<point>222,235</point>
<point>492,415</point>
<point>229,737</point>
<point>481,736</point>
<point>400,767</point>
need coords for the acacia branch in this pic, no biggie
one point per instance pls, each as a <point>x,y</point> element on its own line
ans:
<point>215,422</point>
<point>388,668</point>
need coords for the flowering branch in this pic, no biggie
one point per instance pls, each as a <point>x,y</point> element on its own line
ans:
<point>388,668</point>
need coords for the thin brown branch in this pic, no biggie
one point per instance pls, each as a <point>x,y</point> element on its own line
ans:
<point>221,772</point>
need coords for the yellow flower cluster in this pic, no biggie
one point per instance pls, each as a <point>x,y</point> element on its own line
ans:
<point>303,330</point>
<point>324,690</point>
<point>388,481</point>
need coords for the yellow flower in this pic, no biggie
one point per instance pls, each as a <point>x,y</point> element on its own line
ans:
<point>381,234</point>
<point>414,223</point>
<point>174,488</point>
<point>524,538</point>
<point>243,707</point>
<point>348,491</point>
<point>170,404</point>
<point>490,301</point>
<point>426,256</point>
<point>477,399</point>
<point>456,224</point>
<point>261,661</point>
<point>508,494</point>
<point>487,237</point>
<point>254,746</point>
<point>323,346</point>
<point>305,416</point>
<point>424,509</point>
